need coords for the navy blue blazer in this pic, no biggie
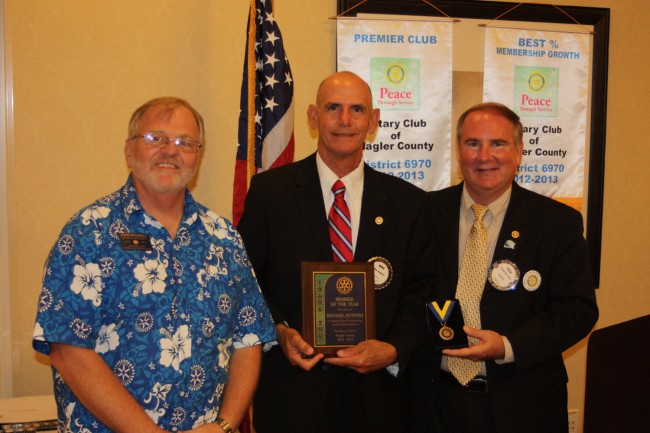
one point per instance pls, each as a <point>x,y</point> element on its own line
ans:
<point>538,234</point>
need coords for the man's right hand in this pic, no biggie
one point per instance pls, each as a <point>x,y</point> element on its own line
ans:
<point>297,350</point>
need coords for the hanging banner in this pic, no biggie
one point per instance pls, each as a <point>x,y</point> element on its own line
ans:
<point>543,77</point>
<point>408,67</point>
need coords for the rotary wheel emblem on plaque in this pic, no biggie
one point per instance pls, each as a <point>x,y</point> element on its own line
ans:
<point>344,285</point>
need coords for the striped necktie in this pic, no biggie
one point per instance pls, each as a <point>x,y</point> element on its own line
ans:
<point>340,225</point>
<point>470,290</point>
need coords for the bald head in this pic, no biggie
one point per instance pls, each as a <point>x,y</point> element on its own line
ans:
<point>341,80</point>
<point>343,116</point>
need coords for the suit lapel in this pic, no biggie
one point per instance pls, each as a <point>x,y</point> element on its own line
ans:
<point>376,216</point>
<point>308,198</point>
<point>514,230</point>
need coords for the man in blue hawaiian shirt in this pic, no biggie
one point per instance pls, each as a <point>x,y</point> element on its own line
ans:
<point>149,309</point>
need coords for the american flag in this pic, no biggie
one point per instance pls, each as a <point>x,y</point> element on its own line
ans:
<point>267,109</point>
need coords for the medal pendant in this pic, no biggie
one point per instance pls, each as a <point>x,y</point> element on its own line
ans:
<point>446,333</point>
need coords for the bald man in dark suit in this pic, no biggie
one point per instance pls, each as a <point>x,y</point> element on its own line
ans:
<point>285,221</point>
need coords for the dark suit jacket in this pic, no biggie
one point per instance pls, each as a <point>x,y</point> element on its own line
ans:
<point>539,324</point>
<point>284,222</point>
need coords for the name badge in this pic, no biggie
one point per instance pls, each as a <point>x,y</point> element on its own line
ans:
<point>383,272</point>
<point>135,241</point>
<point>503,275</point>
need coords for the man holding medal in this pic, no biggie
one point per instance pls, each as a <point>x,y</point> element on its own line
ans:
<point>533,297</point>
<point>285,222</point>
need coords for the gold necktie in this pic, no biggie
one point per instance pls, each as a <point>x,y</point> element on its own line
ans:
<point>470,289</point>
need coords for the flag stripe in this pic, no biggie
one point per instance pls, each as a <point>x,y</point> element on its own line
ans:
<point>283,129</point>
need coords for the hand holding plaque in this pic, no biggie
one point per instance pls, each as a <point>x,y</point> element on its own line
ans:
<point>338,304</point>
<point>445,321</point>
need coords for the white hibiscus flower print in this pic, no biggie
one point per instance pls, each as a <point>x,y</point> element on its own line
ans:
<point>247,341</point>
<point>214,224</point>
<point>210,414</point>
<point>87,281</point>
<point>38,332</point>
<point>131,207</point>
<point>158,245</point>
<point>209,270</point>
<point>224,353</point>
<point>150,221</point>
<point>108,338</point>
<point>93,214</point>
<point>158,396</point>
<point>67,428</point>
<point>175,348</point>
<point>152,275</point>
<point>190,220</point>
<point>208,417</point>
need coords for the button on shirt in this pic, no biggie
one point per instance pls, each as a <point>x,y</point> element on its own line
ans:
<point>164,314</point>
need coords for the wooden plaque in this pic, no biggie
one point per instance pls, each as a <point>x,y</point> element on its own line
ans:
<point>338,304</point>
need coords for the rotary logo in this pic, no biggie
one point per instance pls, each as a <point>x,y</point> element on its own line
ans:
<point>536,81</point>
<point>395,83</point>
<point>344,285</point>
<point>536,91</point>
<point>395,73</point>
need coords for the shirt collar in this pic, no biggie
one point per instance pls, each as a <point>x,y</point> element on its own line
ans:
<point>496,209</point>
<point>353,181</point>
<point>132,205</point>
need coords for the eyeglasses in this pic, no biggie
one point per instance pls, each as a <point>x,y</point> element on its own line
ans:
<point>160,140</point>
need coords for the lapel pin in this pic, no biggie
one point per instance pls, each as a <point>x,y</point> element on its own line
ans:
<point>515,234</point>
<point>379,220</point>
<point>532,280</point>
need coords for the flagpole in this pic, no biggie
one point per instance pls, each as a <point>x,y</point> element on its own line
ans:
<point>252,66</point>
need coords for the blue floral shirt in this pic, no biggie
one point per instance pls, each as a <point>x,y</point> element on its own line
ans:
<point>165,314</point>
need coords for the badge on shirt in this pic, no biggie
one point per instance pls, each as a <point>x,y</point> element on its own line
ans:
<point>135,241</point>
<point>503,275</point>
<point>532,280</point>
<point>383,272</point>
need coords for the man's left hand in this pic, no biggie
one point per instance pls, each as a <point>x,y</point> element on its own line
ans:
<point>490,346</point>
<point>365,357</point>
